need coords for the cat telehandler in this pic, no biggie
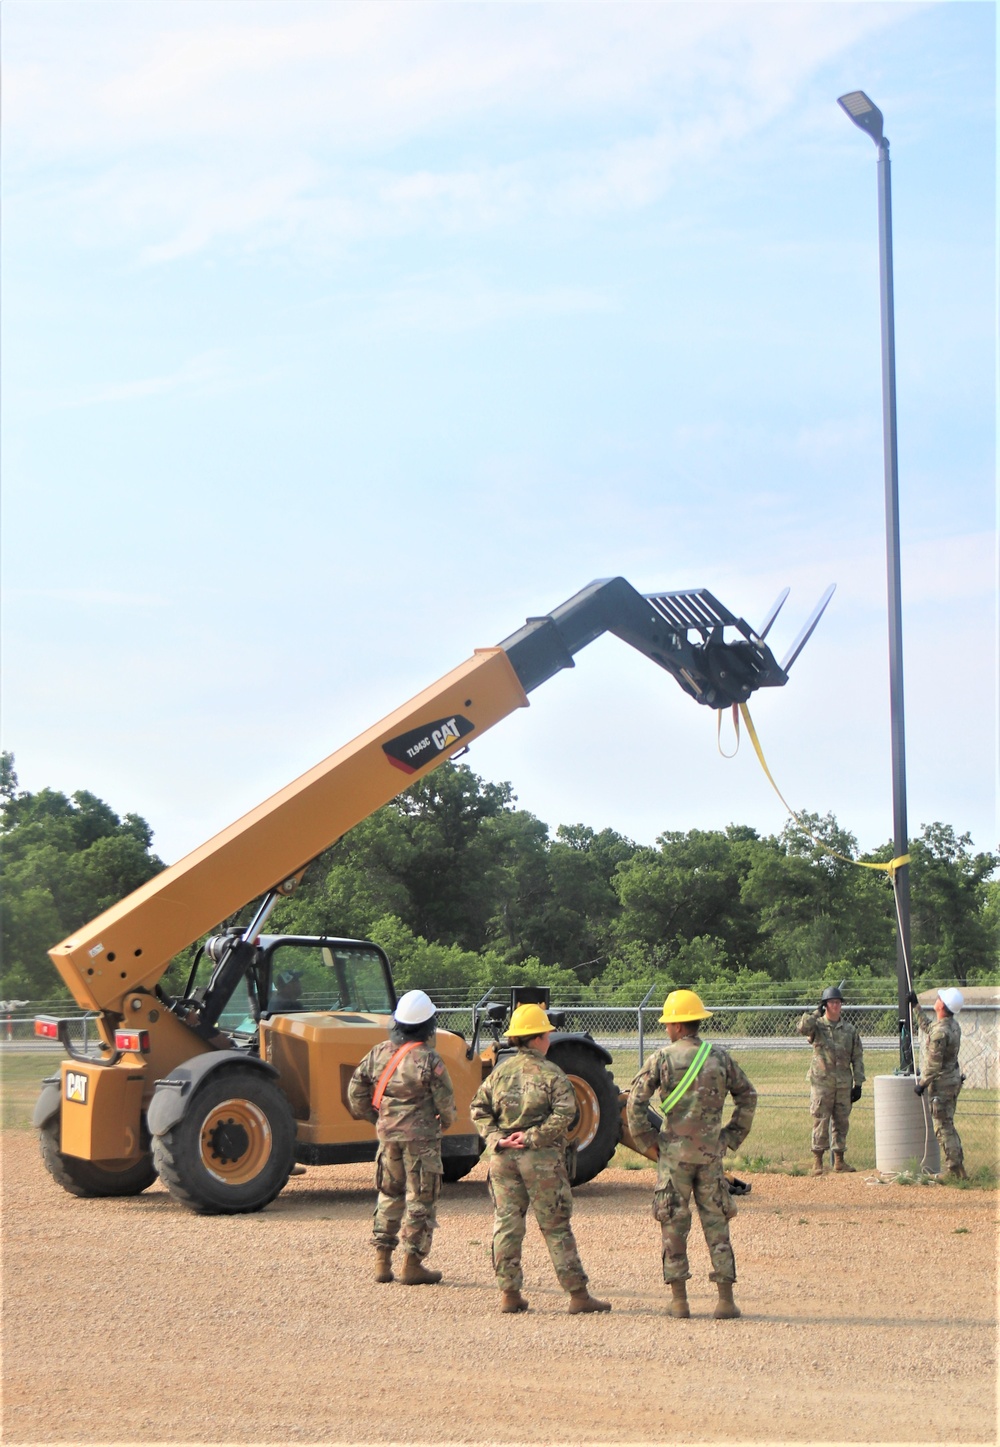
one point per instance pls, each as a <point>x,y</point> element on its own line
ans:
<point>222,1114</point>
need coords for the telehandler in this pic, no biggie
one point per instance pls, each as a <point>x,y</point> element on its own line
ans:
<point>222,1115</point>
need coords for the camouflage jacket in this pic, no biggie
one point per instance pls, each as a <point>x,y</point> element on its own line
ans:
<point>692,1131</point>
<point>525,1092</point>
<point>418,1103</point>
<point>940,1041</point>
<point>837,1058</point>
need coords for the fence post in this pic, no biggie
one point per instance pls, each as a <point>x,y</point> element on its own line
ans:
<point>642,1036</point>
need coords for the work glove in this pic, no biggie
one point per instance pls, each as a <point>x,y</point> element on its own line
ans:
<point>919,1088</point>
<point>821,1008</point>
<point>855,1094</point>
<point>911,998</point>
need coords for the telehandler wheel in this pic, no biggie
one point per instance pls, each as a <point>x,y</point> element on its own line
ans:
<point>232,1150</point>
<point>87,1178</point>
<point>599,1126</point>
<point>453,1168</point>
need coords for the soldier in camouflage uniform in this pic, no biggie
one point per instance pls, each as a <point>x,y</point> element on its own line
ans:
<point>690,1145</point>
<point>941,1074</point>
<point>836,1075</point>
<point>410,1103</point>
<point>523,1111</point>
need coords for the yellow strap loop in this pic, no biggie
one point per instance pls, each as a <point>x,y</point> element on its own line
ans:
<point>718,733</point>
<point>889,868</point>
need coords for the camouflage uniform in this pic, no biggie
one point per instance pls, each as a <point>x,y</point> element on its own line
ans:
<point>940,1041</point>
<point>417,1106</point>
<point>691,1146</point>
<point>529,1093</point>
<point>837,1064</point>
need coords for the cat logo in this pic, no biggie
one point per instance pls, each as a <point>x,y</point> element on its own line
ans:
<point>76,1087</point>
<point>410,751</point>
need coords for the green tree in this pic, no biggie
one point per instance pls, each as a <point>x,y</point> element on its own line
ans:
<point>813,907</point>
<point>690,886</point>
<point>64,861</point>
<point>954,933</point>
<point>425,858</point>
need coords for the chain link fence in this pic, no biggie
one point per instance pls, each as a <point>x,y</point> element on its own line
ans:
<point>762,1038</point>
<point>764,1041</point>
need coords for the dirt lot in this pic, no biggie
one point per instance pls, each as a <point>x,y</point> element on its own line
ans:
<point>869,1316</point>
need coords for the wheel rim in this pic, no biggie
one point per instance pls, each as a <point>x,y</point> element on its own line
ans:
<point>589,1112</point>
<point>235,1141</point>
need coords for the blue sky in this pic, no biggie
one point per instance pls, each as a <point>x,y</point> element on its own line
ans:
<point>338,338</point>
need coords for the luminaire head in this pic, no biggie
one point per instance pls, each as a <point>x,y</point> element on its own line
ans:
<point>863,112</point>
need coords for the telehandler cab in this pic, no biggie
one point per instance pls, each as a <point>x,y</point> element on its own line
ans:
<point>221,1115</point>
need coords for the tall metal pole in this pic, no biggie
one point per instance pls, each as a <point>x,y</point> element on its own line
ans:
<point>867,116</point>
<point>900,832</point>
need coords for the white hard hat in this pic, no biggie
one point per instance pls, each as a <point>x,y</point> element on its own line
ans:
<point>951,999</point>
<point>414,1008</point>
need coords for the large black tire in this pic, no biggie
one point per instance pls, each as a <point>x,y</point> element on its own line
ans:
<point>453,1168</point>
<point>598,1126</point>
<point>234,1147</point>
<point>87,1178</point>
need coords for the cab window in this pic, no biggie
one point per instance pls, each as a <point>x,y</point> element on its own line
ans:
<point>328,977</point>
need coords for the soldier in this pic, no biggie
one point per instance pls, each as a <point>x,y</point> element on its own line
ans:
<point>939,1069</point>
<point>403,1088</point>
<point>836,1075</point>
<point>693,1078</point>
<point>287,998</point>
<point>523,1111</point>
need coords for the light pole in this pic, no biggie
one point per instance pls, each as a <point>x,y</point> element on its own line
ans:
<point>867,116</point>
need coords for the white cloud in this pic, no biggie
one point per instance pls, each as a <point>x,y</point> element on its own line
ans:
<point>262,123</point>
<point>438,308</point>
<point>203,375</point>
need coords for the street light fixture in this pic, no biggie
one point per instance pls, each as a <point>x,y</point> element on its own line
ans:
<point>867,117</point>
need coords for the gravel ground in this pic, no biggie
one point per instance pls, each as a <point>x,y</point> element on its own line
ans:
<point>869,1316</point>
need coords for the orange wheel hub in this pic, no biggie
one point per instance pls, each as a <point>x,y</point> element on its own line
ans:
<point>235,1141</point>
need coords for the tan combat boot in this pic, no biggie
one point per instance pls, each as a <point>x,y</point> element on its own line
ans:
<point>414,1273</point>
<point>817,1169</point>
<point>679,1300</point>
<point>583,1301</point>
<point>512,1301</point>
<point>727,1308</point>
<point>383,1263</point>
<point>957,1173</point>
<point>839,1164</point>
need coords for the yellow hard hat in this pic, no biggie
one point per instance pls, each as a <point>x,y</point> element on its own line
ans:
<point>681,1005</point>
<point>528,1020</point>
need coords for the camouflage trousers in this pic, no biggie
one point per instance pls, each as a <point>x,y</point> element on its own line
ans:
<point>676,1183</point>
<point>408,1180</point>
<point>517,1180</point>
<point>830,1108</point>
<point>943,1115</point>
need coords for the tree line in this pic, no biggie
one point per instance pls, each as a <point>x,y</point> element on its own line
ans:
<point>465,890</point>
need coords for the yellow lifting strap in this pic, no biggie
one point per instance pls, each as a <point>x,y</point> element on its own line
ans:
<point>889,868</point>
<point>390,1071</point>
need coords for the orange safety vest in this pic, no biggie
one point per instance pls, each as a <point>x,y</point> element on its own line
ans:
<point>390,1071</point>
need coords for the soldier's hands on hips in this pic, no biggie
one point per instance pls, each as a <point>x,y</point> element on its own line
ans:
<point>856,1094</point>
